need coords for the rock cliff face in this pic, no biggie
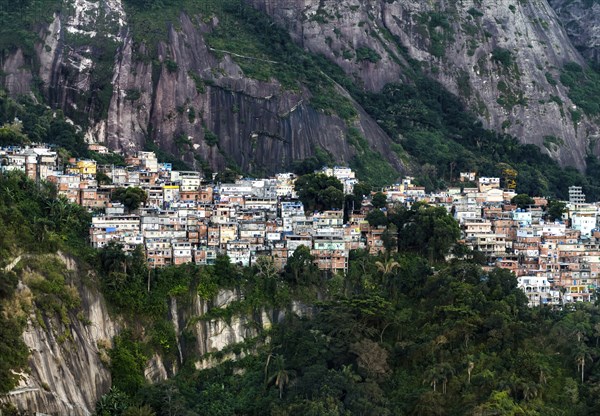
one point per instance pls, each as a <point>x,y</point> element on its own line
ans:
<point>136,97</point>
<point>66,374</point>
<point>69,359</point>
<point>580,20</point>
<point>501,57</point>
<point>259,125</point>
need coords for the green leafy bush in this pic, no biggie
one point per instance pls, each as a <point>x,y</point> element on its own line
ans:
<point>584,88</point>
<point>127,364</point>
<point>210,138</point>
<point>171,66</point>
<point>367,54</point>
<point>502,56</point>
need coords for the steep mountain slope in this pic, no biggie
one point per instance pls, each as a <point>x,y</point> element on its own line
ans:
<point>580,19</point>
<point>64,309</point>
<point>67,349</point>
<point>499,57</point>
<point>169,87</point>
<point>219,85</point>
<point>72,349</point>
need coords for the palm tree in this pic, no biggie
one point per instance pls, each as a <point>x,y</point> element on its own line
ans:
<point>581,356</point>
<point>597,332</point>
<point>446,371</point>
<point>388,266</point>
<point>281,377</point>
<point>432,377</point>
<point>267,367</point>
<point>470,368</point>
<point>530,390</point>
<point>60,210</point>
<point>439,373</point>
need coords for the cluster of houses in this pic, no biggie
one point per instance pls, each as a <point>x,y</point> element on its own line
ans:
<point>186,219</point>
<point>555,261</point>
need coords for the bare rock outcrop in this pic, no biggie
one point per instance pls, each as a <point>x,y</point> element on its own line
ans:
<point>68,369</point>
<point>580,20</point>
<point>502,58</point>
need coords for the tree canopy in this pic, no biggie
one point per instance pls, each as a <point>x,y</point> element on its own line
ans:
<point>131,197</point>
<point>393,338</point>
<point>522,201</point>
<point>427,230</point>
<point>319,192</point>
<point>379,200</point>
<point>555,210</point>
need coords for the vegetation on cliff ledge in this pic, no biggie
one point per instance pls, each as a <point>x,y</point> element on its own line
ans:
<point>404,332</point>
<point>34,223</point>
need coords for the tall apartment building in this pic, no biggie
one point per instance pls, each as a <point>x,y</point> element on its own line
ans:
<point>576,195</point>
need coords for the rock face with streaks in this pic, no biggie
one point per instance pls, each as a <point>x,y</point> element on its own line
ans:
<point>261,126</point>
<point>580,20</point>
<point>69,363</point>
<point>128,97</point>
<point>503,58</point>
<point>68,357</point>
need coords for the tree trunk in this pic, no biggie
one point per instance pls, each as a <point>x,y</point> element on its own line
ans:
<point>469,370</point>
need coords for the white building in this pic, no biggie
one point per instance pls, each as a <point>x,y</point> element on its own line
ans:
<point>148,161</point>
<point>584,219</point>
<point>190,181</point>
<point>115,228</point>
<point>487,183</point>
<point>538,291</point>
<point>523,218</point>
<point>576,195</point>
<point>285,185</point>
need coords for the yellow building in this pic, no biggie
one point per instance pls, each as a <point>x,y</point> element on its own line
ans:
<point>86,167</point>
<point>227,232</point>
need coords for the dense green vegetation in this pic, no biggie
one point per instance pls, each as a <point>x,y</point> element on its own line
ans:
<point>131,197</point>
<point>403,333</point>
<point>446,139</point>
<point>584,87</point>
<point>320,159</point>
<point>25,122</point>
<point>368,163</point>
<point>319,192</point>
<point>18,21</point>
<point>522,201</point>
<point>33,222</point>
<point>13,349</point>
